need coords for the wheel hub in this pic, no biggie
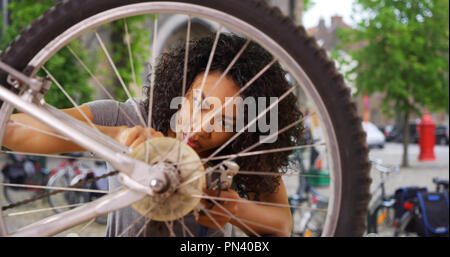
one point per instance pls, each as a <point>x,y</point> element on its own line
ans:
<point>179,164</point>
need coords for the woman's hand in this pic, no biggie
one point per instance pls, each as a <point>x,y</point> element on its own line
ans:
<point>220,215</point>
<point>134,136</point>
<point>250,216</point>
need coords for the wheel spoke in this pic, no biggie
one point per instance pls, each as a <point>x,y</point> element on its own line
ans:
<point>242,154</point>
<point>185,228</point>
<point>212,198</point>
<point>136,220</point>
<point>55,188</point>
<point>42,210</point>
<point>212,169</point>
<point>230,100</point>
<point>70,99</point>
<point>86,226</point>
<point>273,174</point>
<point>51,155</point>
<point>265,36</point>
<point>206,211</point>
<point>119,77</point>
<point>245,154</point>
<point>143,228</point>
<point>130,52</point>
<point>250,123</point>
<point>233,216</point>
<point>205,75</point>
<point>152,74</point>
<point>169,226</point>
<point>13,122</point>
<point>225,73</point>
<point>102,87</point>
<point>186,56</point>
<point>248,221</point>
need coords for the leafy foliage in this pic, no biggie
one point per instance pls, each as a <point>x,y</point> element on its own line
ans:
<point>66,69</point>
<point>63,65</point>
<point>130,31</point>
<point>405,53</point>
<point>308,4</point>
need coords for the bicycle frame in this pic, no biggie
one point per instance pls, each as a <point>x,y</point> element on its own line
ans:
<point>382,201</point>
<point>116,155</point>
<point>81,134</point>
<point>84,136</point>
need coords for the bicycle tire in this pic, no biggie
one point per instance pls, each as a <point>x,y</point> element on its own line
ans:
<point>69,197</point>
<point>352,204</point>
<point>379,220</point>
<point>405,220</point>
<point>13,195</point>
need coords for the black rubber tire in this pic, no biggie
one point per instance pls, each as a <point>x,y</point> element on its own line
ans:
<point>7,193</point>
<point>55,182</point>
<point>303,48</point>
<point>13,196</point>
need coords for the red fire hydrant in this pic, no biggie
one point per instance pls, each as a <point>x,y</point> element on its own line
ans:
<point>427,138</point>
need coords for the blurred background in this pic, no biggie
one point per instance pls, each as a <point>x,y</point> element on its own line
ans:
<point>393,54</point>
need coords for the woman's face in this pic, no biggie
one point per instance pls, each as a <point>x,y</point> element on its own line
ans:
<point>210,125</point>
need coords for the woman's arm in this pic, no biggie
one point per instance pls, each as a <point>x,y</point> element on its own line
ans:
<point>260,218</point>
<point>25,139</point>
<point>273,220</point>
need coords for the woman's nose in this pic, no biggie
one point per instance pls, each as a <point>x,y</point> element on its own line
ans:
<point>201,125</point>
<point>198,126</point>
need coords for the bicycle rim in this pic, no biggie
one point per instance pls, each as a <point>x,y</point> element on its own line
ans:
<point>338,158</point>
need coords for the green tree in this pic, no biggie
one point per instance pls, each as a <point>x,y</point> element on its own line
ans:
<point>63,65</point>
<point>405,55</point>
<point>308,4</point>
<point>129,67</point>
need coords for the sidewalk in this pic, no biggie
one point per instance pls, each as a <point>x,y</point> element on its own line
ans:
<point>418,173</point>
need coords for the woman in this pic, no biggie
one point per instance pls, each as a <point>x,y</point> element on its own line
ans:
<point>118,120</point>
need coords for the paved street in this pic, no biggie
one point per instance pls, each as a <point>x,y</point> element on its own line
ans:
<point>419,174</point>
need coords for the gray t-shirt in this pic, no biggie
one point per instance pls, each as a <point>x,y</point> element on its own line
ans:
<point>108,113</point>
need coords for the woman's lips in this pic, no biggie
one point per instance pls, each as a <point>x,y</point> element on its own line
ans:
<point>193,144</point>
<point>190,142</point>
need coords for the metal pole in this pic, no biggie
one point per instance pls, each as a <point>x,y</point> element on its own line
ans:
<point>5,15</point>
<point>292,9</point>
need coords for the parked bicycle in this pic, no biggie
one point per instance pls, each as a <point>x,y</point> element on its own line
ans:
<point>70,172</point>
<point>308,207</point>
<point>422,213</point>
<point>381,208</point>
<point>290,46</point>
<point>25,171</point>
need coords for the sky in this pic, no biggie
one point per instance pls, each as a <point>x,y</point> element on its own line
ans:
<point>326,9</point>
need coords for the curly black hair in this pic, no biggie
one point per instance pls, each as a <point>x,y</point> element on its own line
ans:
<point>168,85</point>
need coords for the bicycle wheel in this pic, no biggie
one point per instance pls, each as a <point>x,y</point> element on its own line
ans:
<point>62,179</point>
<point>381,221</point>
<point>298,53</point>
<point>401,226</point>
<point>16,194</point>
